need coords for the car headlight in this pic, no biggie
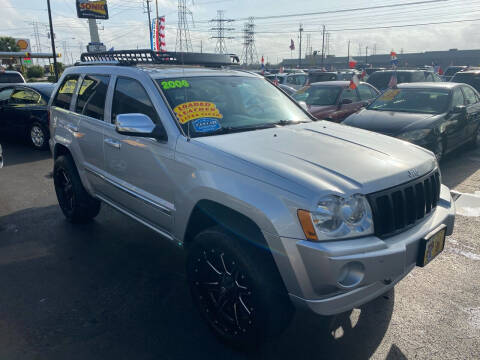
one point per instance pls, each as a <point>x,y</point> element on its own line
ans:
<point>415,135</point>
<point>338,218</point>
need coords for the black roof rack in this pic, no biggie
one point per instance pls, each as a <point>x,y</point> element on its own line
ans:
<point>133,57</point>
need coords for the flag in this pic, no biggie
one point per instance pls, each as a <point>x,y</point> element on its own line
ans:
<point>275,81</point>
<point>440,70</point>
<point>354,82</point>
<point>163,45</point>
<point>281,70</point>
<point>263,65</point>
<point>393,58</point>
<point>352,63</point>
<point>392,84</point>
<point>364,73</point>
<point>157,41</point>
<point>292,45</point>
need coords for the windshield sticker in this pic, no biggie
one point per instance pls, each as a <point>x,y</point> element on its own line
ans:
<point>205,125</point>
<point>196,110</point>
<point>389,95</point>
<point>175,84</point>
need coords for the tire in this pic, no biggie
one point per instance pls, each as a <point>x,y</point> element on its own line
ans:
<point>76,204</point>
<point>237,289</point>
<point>38,136</point>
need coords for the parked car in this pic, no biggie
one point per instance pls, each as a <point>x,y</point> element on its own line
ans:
<point>380,79</point>
<point>470,77</point>
<point>440,117</point>
<point>288,89</point>
<point>11,77</point>
<point>274,209</point>
<point>23,112</point>
<point>296,81</point>
<point>335,100</point>
<point>370,71</point>
<point>319,76</point>
<point>452,70</point>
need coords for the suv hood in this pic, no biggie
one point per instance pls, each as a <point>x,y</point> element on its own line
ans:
<point>386,122</point>
<point>321,156</point>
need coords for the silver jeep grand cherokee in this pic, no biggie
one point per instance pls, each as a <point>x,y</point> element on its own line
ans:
<point>275,209</point>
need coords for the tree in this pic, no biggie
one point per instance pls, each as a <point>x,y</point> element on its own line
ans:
<point>8,44</point>
<point>35,71</point>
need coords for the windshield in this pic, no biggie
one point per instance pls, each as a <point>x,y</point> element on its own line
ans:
<point>452,70</point>
<point>381,79</point>
<point>429,101</point>
<point>318,95</point>
<point>221,104</point>
<point>318,77</point>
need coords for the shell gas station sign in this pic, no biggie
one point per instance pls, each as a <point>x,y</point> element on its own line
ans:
<point>92,9</point>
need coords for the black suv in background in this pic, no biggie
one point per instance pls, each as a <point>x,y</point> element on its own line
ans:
<point>470,77</point>
<point>452,70</point>
<point>380,79</point>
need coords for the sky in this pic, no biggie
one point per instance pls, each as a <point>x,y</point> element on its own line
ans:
<point>127,27</point>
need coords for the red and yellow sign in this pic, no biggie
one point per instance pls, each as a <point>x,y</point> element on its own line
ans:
<point>196,110</point>
<point>92,9</point>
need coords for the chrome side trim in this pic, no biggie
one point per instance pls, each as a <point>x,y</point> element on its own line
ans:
<point>160,207</point>
<point>136,218</point>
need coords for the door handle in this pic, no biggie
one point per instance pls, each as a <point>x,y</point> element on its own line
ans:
<point>112,143</point>
<point>72,128</point>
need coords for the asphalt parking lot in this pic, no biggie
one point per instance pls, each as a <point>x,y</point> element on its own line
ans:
<point>113,289</point>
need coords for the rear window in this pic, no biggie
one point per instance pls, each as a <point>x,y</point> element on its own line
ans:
<point>11,78</point>
<point>318,77</point>
<point>381,79</point>
<point>65,92</point>
<point>470,79</point>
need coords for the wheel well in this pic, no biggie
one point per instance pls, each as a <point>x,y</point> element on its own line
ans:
<point>60,150</point>
<point>208,213</point>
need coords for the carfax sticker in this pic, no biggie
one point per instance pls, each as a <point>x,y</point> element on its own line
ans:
<point>389,95</point>
<point>205,125</point>
<point>196,110</point>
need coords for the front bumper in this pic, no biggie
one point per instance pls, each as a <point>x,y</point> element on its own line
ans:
<point>332,277</point>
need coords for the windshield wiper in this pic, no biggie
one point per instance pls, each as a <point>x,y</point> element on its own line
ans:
<point>289,122</point>
<point>234,129</point>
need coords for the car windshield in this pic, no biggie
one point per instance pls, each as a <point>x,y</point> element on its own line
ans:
<point>318,95</point>
<point>222,104</point>
<point>10,78</point>
<point>318,77</point>
<point>466,78</point>
<point>428,101</point>
<point>381,79</point>
<point>452,71</point>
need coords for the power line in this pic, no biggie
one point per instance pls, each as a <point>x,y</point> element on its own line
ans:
<point>221,30</point>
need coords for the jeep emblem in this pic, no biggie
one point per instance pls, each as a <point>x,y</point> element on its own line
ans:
<point>412,173</point>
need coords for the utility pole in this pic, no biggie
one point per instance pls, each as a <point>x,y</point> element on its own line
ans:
<point>149,22</point>
<point>52,37</point>
<point>300,47</point>
<point>366,55</point>
<point>348,56</point>
<point>323,45</point>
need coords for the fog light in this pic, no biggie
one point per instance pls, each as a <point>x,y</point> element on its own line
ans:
<point>351,274</point>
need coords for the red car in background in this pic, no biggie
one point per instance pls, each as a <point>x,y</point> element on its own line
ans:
<point>335,100</point>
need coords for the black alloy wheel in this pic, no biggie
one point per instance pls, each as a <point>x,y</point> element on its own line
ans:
<point>64,188</point>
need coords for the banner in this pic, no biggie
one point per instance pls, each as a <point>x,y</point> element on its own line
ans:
<point>157,41</point>
<point>92,9</point>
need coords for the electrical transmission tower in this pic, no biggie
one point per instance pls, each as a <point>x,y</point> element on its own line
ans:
<point>36,34</point>
<point>184,43</point>
<point>249,53</point>
<point>220,32</point>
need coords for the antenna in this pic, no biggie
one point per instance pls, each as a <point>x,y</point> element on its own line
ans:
<point>184,43</point>
<point>220,29</point>
<point>249,54</point>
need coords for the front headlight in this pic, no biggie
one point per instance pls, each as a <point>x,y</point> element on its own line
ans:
<point>415,135</point>
<point>338,218</point>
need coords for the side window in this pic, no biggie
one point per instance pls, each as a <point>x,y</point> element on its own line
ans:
<point>65,92</point>
<point>349,94</point>
<point>25,97</point>
<point>429,76</point>
<point>130,97</point>
<point>365,93</point>
<point>470,97</point>
<point>457,98</point>
<point>92,95</point>
<point>418,77</point>
<point>291,80</point>
<point>5,95</point>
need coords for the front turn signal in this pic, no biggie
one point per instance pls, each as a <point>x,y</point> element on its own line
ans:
<point>307,225</point>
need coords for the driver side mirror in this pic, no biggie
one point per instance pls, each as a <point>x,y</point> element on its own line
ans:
<point>139,125</point>
<point>459,109</point>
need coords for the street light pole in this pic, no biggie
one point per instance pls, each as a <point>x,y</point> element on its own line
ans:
<point>52,37</point>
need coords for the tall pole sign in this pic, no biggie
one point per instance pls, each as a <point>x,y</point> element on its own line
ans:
<point>52,37</point>
<point>93,11</point>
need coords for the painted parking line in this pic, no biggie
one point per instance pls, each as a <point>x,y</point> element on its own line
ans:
<point>467,204</point>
